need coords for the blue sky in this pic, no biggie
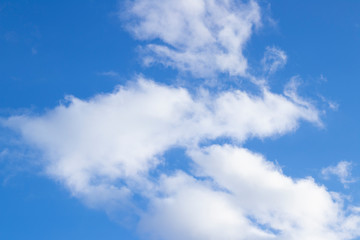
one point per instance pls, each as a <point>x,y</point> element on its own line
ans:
<point>180,115</point>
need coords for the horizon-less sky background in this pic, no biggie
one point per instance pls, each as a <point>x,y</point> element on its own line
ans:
<point>50,49</point>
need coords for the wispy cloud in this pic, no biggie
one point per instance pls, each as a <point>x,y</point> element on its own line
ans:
<point>274,59</point>
<point>109,74</point>
<point>342,170</point>
<point>34,51</point>
<point>331,104</point>
<point>3,153</point>
<point>322,78</point>
<point>11,37</point>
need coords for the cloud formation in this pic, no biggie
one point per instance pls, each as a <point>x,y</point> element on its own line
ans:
<point>274,59</point>
<point>246,197</point>
<point>105,150</point>
<point>342,170</point>
<point>119,135</point>
<point>203,37</point>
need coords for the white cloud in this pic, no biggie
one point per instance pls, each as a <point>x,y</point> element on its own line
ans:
<point>104,149</point>
<point>237,194</point>
<point>203,37</point>
<point>191,209</point>
<point>274,59</point>
<point>88,145</point>
<point>291,91</point>
<point>298,209</point>
<point>342,170</point>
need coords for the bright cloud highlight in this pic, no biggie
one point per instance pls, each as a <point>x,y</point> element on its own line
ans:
<point>200,37</point>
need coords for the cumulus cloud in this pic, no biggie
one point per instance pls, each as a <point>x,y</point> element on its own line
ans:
<point>289,208</point>
<point>119,135</point>
<point>237,194</point>
<point>203,37</point>
<point>106,149</point>
<point>342,170</point>
<point>191,209</point>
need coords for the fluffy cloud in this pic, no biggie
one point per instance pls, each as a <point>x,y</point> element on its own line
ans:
<point>295,209</point>
<point>203,37</point>
<point>191,209</point>
<point>105,150</point>
<point>90,144</point>
<point>237,194</point>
